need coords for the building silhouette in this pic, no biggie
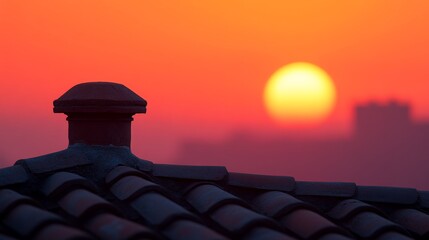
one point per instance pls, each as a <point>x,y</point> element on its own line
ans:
<point>386,147</point>
<point>374,120</point>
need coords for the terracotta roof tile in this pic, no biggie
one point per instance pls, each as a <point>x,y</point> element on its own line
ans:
<point>189,230</point>
<point>61,183</point>
<point>10,199</point>
<point>118,197</point>
<point>413,220</point>
<point>308,224</point>
<point>213,173</point>
<point>387,194</point>
<point>130,187</point>
<point>157,209</point>
<point>109,226</point>
<point>370,225</point>
<point>13,175</point>
<point>330,189</point>
<point>80,203</point>
<point>266,233</point>
<point>334,236</point>
<point>276,204</point>
<point>349,208</point>
<point>60,231</point>
<point>26,219</point>
<point>393,236</point>
<point>120,172</point>
<point>208,197</point>
<point>237,219</point>
<point>280,183</point>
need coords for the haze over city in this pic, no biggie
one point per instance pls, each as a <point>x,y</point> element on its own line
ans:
<point>204,67</point>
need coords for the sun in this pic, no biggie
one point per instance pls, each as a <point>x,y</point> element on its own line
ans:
<point>301,94</point>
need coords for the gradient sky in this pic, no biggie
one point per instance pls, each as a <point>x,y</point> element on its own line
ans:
<point>202,65</point>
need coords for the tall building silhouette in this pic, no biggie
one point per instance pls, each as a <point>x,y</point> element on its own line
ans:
<point>387,147</point>
<point>374,120</point>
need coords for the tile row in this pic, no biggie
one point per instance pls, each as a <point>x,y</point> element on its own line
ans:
<point>70,158</point>
<point>305,220</point>
<point>213,204</point>
<point>24,219</point>
<point>155,207</point>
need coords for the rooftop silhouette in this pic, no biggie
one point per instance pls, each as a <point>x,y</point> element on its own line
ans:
<point>98,189</point>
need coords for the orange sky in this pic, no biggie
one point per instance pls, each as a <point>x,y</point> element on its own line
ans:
<point>201,65</point>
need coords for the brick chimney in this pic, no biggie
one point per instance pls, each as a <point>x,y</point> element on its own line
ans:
<point>100,113</point>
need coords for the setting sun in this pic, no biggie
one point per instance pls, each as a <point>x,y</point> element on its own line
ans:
<point>300,93</point>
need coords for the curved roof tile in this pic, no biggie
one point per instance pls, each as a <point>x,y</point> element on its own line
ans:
<point>75,192</point>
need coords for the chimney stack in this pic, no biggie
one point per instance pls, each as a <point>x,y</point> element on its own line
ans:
<point>100,113</point>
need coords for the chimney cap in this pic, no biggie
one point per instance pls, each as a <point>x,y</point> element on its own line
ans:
<point>100,97</point>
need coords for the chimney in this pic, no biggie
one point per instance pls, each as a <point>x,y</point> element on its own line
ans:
<point>100,113</point>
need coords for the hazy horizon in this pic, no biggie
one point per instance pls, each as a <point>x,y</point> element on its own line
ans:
<point>203,66</point>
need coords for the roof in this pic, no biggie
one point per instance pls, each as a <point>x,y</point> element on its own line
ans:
<point>95,189</point>
<point>106,192</point>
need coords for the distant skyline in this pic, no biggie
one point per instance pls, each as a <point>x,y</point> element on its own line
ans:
<point>201,65</point>
<point>386,148</point>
